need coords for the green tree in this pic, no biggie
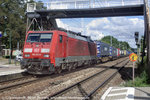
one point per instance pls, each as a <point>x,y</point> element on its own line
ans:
<point>12,16</point>
<point>116,43</point>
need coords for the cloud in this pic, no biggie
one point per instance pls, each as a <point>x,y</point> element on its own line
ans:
<point>95,35</point>
<point>122,28</point>
<point>68,27</point>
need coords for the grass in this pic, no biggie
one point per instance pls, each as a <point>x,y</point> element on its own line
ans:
<point>13,62</point>
<point>1,58</point>
<point>140,81</point>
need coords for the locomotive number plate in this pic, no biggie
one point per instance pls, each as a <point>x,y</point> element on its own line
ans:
<point>37,50</point>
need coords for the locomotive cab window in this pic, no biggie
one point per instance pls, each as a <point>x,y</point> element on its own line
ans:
<point>60,38</point>
<point>39,37</point>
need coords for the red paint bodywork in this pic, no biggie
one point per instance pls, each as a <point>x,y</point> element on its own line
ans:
<point>118,52</point>
<point>68,47</point>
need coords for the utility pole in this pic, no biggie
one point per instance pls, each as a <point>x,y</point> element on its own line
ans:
<point>122,2</point>
<point>18,46</point>
<point>0,44</point>
<point>93,3</point>
<point>147,31</point>
<point>82,24</point>
<point>89,3</point>
<point>138,47</point>
<point>138,44</point>
<point>143,51</point>
<point>111,40</point>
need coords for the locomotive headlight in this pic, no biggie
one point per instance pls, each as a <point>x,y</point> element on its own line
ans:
<point>46,55</point>
<point>27,55</point>
<point>28,50</point>
<point>45,50</point>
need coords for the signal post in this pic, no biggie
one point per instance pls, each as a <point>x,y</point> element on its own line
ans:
<point>133,57</point>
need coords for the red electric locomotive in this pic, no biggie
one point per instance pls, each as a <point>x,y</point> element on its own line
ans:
<point>46,52</point>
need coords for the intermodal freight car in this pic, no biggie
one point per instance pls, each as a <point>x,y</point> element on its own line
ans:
<point>105,51</point>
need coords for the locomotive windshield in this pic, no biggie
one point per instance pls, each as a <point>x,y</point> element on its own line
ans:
<point>39,37</point>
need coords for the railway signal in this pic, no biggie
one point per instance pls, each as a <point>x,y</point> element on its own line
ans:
<point>137,43</point>
<point>136,38</point>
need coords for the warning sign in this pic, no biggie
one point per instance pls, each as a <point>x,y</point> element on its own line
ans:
<point>133,57</point>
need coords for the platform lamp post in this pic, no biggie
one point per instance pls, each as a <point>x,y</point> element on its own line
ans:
<point>5,34</point>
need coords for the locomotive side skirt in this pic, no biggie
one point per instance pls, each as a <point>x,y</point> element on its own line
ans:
<point>70,59</point>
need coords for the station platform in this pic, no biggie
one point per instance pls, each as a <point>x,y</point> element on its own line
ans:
<point>7,69</point>
<point>126,93</point>
<point>10,71</point>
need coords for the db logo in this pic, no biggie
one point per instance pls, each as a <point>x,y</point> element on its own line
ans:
<point>37,45</point>
<point>36,50</point>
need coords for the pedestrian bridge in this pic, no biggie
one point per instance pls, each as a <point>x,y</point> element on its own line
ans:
<point>87,8</point>
<point>85,4</point>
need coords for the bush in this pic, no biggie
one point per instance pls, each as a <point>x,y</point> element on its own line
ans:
<point>7,57</point>
<point>141,66</point>
<point>141,81</point>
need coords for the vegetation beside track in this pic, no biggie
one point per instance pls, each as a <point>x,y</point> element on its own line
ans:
<point>116,43</point>
<point>141,79</point>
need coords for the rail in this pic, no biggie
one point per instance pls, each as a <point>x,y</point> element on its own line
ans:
<point>89,95</point>
<point>20,83</point>
<point>107,80</point>
<point>18,78</point>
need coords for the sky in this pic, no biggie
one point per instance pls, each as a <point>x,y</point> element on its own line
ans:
<point>122,28</point>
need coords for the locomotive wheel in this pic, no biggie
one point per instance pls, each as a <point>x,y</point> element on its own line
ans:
<point>89,63</point>
<point>75,65</point>
<point>58,70</point>
<point>69,68</point>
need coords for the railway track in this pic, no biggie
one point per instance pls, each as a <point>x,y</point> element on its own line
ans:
<point>11,84</point>
<point>20,82</point>
<point>15,79</point>
<point>65,93</point>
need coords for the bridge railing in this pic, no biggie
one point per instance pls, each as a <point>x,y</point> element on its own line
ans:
<point>148,2</point>
<point>80,4</point>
